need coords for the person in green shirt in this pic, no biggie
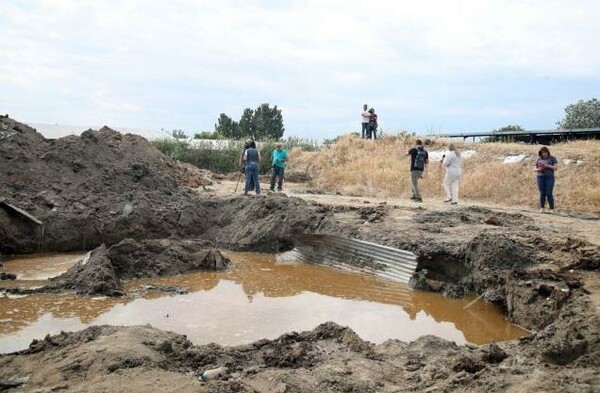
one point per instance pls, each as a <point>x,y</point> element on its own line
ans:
<point>280,158</point>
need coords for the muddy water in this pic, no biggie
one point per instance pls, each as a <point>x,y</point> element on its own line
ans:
<point>255,299</point>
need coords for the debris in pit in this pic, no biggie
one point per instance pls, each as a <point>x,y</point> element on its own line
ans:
<point>169,289</point>
<point>23,213</point>
<point>101,271</point>
<point>358,255</point>
<point>492,220</point>
<point>7,276</point>
<point>213,374</point>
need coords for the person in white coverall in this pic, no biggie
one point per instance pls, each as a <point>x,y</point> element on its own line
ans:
<point>453,163</point>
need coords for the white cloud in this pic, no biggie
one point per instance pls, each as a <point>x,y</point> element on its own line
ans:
<point>125,59</point>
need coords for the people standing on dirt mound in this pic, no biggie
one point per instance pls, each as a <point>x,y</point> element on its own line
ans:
<point>372,128</point>
<point>545,166</point>
<point>365,115</point>
<point>252,166</point>
<point>280,158</point>
<point>453,163</point>
<point>419,158</point>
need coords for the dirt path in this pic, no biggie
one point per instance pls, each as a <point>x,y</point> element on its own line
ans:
<point>569,224</point>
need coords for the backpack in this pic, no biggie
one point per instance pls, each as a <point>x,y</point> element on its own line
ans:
<point>420,160</point>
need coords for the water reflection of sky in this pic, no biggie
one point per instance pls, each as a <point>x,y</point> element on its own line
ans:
<point>259,299</point>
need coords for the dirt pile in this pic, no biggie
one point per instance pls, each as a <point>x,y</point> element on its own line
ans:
<point>101,271</point>
<point>103,187</point>
<point>88,190</point>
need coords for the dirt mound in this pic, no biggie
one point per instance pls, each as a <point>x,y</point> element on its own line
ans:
<point>102,270</point>
<point>470,215</point>
<point>265,223</point>
<point>104,186</point>
<point>88,190</point>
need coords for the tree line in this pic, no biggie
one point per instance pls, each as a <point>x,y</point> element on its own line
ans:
<point>263,122</point>
<point>582,114</point>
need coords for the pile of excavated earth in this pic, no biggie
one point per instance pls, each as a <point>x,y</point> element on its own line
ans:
<point>143,215</point>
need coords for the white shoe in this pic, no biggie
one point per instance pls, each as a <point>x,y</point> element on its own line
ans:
<point>542,210</point>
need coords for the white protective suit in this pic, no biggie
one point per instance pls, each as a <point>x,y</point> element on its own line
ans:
<point>453,164</point>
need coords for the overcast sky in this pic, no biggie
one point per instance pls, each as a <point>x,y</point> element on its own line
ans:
<point>423,65</point>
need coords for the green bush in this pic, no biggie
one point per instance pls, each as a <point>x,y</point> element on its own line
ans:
<point>223,156</point>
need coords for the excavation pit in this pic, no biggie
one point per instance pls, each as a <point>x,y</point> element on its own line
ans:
<point>255,298</point>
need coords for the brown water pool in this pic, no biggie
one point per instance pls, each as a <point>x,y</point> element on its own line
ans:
<point>257,298</point>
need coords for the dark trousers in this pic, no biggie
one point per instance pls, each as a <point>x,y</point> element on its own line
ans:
<point>277,172</point>
<point>546,185</point>
<point>372,132</point>
<point>365,129</point>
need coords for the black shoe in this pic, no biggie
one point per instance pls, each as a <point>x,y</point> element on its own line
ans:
<point>419,200</point>
<point>412,198</point>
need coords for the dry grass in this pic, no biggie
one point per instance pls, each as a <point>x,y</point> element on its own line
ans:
<point>381,168</point>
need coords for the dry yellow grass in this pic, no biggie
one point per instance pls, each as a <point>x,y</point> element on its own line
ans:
<point>381,168</point>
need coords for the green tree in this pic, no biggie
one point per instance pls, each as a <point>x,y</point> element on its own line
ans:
<point>207,135</point>
<point>227,127</point>
<point>268,122</point>
<point>178,134</point>
<point>507,138</point>
<point>247,123</point>
<point>583,114</point>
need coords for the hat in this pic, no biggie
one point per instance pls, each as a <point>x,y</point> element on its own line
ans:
<point>278,144</point>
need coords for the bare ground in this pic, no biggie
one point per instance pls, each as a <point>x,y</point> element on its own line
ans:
<point>542,269</point>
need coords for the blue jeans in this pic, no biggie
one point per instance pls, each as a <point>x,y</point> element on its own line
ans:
<point>252,177</point>
<point>546,185</point>
<point>365,129</point>
<point>277,172</point>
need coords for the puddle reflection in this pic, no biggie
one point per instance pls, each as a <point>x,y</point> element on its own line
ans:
<point>258,298</point>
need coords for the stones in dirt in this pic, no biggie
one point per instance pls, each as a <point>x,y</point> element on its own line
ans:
<point>101,271</point>
<point>492,220</point>
<point>7,276</point>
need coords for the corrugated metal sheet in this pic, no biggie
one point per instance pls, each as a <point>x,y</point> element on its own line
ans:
<point>355,255</point>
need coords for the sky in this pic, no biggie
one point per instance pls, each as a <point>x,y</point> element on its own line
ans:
<point>425,66</point>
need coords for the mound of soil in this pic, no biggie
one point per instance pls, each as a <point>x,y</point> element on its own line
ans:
<point>101,271</point>
<point>103,187</point>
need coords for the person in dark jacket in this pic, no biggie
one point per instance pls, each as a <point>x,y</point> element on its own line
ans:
<point>252,161</point>
<point>242,164</point>
<point>419,158</point>
<point>372,133</point>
